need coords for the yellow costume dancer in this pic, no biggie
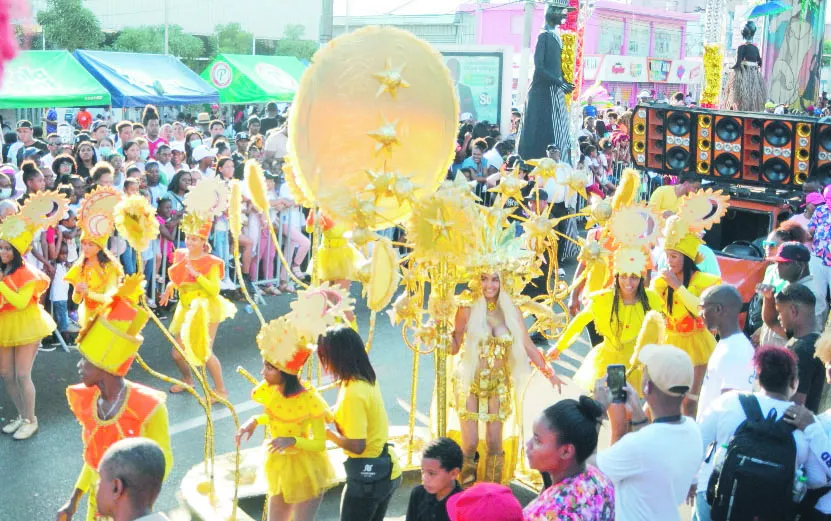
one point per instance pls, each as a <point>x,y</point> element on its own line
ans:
<point>23,321</point>
<point>297,468</point>
<point>108,406</point>
<point>619,311</point>
<point>336,260</point>
<point>681,286</point>
<point>196,274</point>
<point>495,355</point>
<point>96,273</point>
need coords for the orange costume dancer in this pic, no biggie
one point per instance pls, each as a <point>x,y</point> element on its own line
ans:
<point>96,273</point>
<point>23,321</point>
<point>681,286</point>
<point>197,275</point>
<point>108,406</point>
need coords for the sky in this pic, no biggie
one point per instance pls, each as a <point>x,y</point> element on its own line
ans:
<point>376,7</point>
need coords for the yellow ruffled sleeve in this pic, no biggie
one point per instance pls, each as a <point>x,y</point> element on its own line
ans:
<point>157,429</point>
<point>19,299</point>
<point>210,282</point>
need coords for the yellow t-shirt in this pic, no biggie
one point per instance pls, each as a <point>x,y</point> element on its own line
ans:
<point>360,415</point>
<point>664,199</point>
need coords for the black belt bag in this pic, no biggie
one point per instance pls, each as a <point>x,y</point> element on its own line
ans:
<point>369,478</point>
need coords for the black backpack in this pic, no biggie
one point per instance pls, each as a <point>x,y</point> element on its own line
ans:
<point>756,479</point>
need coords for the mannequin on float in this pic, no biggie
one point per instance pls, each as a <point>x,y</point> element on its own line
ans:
<point>745,90</point>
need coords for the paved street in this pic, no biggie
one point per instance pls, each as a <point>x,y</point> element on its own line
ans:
<point>37,476</point>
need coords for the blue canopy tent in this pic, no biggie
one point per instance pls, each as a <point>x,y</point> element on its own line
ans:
<point>135,80</point>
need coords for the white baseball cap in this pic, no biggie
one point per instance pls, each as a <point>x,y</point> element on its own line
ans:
<point>201,152</point>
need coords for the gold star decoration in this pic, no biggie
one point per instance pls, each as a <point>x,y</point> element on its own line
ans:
<point>463,186</point>
<point>538,228</point>
<point>441,226</point>
<point>403,188</point>
<point>497,215</point>
<point>380,183</point>
<point>390,79</point>
<point>510,186</point>
<point>385,136</point>
<point>546,168</point>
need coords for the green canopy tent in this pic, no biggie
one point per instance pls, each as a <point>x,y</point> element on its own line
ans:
<point>49,79</point>
<point>242,79</point>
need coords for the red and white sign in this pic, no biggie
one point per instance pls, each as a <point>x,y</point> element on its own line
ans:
<point>628,69</point>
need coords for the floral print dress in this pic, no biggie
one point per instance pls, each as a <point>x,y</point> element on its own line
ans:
<point>588,496</point>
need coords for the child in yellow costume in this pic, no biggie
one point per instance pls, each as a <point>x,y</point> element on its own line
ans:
<point>197,275</point>
<point>618,311</point>
<point>681,285</point>
<point>23,321</point>
<point>108,406</point>
<point>336,259</point>
<point>96,273</point>
<point>297,468</point>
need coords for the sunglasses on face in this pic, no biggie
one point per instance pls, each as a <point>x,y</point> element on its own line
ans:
<point>768,244</point>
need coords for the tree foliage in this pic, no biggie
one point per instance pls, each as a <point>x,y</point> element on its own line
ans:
<point>150,39</point>
<point>232,39</point>
<point>293,44</point>
<point>67,24</point>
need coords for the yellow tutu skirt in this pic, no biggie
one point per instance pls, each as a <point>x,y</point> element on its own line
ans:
<point>19,327</point>
<point>599,358</point>
<point>219,309</point>
<point>299,475</point>
<point>337,262</point>
<point>699,344</point>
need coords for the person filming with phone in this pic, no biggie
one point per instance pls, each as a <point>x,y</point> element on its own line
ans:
<point>652,465</point>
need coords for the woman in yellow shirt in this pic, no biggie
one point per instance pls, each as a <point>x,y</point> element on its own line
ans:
<point>680,287</point>
<point>361,426</point>
<point>618,313</point>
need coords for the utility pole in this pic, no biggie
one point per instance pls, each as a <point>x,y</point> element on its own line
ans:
<point>522,83</point>
<point>166,35</point>
<point>327,21</point>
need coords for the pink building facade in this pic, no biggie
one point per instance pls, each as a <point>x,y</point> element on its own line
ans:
<point>627,48</point>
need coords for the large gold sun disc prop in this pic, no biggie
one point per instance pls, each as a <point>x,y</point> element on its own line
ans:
<point>376,101</point>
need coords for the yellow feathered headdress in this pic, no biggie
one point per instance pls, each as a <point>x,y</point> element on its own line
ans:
<point>203,203</point>
<point>698,212</point>
<point>40,210</point>
<point>634,230</point>
<point>288,341</point>
<point>97,215</point>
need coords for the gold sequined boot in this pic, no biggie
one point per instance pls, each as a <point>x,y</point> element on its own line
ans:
<point>493,467</point>
<point>467,477</point>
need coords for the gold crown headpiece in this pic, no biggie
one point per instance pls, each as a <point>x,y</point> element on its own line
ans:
<point>40,210</point>
<point>288,341</point>
<point>97,215</point>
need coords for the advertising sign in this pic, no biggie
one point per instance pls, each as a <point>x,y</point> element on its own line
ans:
<point>478,80</point>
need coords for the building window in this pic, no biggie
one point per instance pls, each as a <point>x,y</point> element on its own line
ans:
<point>667,43</point>
<point>610,40</point>
<point>694,40</point>
<point>638,39</point>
